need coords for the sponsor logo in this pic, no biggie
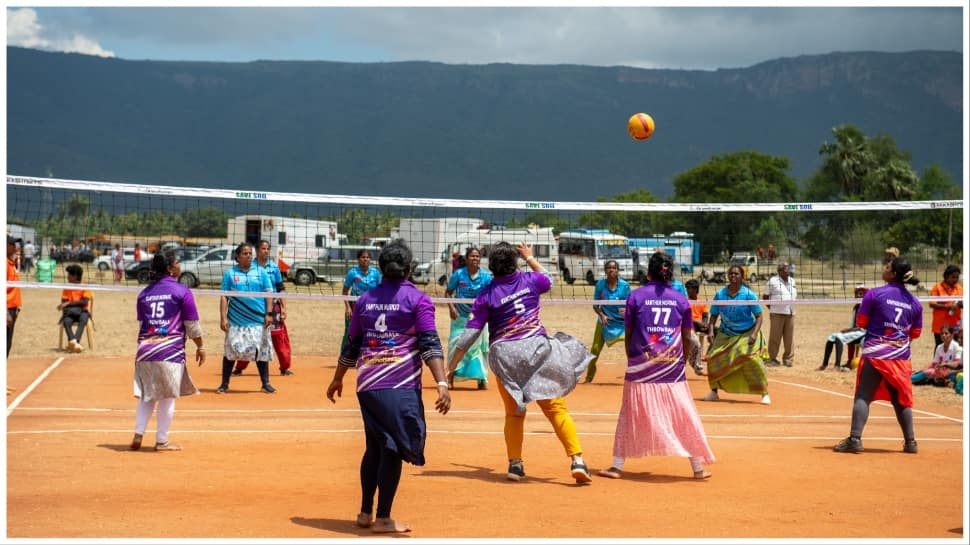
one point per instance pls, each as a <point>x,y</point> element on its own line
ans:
<point>541,205</point>
<point>250,195</point>
<point>796,206</point>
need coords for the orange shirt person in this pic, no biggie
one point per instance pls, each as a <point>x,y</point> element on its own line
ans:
<point>947,312</point>
<point>13,294</point>
<point>75,309</point>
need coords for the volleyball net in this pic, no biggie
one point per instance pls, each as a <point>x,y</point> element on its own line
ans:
<point>831,247</point>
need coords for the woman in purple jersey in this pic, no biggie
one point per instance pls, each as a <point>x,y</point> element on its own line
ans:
<point>892,318</point>
<point>166,315</point>
<point>657,414</point>
<point>392,329</point>
<point>530,365</point>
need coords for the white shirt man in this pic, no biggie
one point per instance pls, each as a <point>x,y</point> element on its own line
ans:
<point>781,288</point>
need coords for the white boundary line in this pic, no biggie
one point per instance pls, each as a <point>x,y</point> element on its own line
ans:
<point>883,403</point>
<point>33,385</point>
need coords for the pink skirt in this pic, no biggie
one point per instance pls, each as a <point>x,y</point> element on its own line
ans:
<point>660,419</point>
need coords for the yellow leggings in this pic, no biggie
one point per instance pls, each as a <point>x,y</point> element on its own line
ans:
<point>554,409</point>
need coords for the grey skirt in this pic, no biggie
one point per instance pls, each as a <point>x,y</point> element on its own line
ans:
<point>539,367</point>
<point>251,343</point>
<point>155,380</point>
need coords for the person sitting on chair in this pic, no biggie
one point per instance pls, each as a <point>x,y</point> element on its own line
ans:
<point>850,336</point>
<point>75,309</point>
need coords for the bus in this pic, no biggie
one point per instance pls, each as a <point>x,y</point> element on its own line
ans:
<point>584,252</point>
<point>541,239</point>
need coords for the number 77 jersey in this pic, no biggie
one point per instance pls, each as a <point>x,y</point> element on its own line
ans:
<point>655,317</point>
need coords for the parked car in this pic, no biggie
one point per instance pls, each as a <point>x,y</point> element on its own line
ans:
<point>330,267</point>
<point>103,262</point>
<point>138,270</point>
<point>208,267</point>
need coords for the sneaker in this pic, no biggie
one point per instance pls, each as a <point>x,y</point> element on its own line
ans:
<point>711,396</point>
<point>135,442</point>
<point>516,471</point>
<point>849,444</point>
<point>909,447</point>
<point>580,472</point>
<point>286,373</point>
<point>766,399</point>
<point>788,364</point>
<point>699,371</point>
<point>237,372</point>
<point>482,385</point>
<point>223,388</point>
<point>772,363</point>
<point>268,388</point>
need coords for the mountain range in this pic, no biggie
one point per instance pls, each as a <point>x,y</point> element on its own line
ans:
<point>426,129</point>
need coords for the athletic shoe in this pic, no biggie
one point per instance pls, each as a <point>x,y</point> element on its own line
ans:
<point>909,447</point>
<point>237,372</point>
<point>516,471</point>
<point>711,396</point>
<point>223,388</point>
<point>766,399</point>
<point>773,363</point>
<point>268,388</point>
<point>849,444</point>
<point>135,442</point>
<point>286,373</point>
<point>788,364</point>
<point>482,385</point>
<point>580,472</point>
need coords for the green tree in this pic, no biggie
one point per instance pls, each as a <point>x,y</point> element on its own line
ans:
<point>205,222</point>
<point>745,176</point>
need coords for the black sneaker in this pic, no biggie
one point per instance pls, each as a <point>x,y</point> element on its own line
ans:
<point>580,473</point>
<point>268,388</point>
<point>286,373</point>
<point>773,363</point>
<point>909,447</point>
<point>223,388</point>
<point>516,471</point>
<point>482,385</point>
<point>237,372</point>
<point>849,444</point>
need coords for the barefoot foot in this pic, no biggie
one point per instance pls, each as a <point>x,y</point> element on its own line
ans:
<point>612,473</point>
<point>364,520</point>
<point>388,526</point>
<point>702,474</point>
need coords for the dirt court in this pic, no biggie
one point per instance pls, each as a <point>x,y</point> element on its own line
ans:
<point>259,466</point>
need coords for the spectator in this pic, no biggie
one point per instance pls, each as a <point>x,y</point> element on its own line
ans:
<point>358,280</point>
<point>893,318</point>
<point>947,312</point>
<point>947,362</point>
<point>850,337</point>
<point>75,309</point>
<point>28,252</point>
<point>13,294</point>
<point>609,318</point>
<point>166,316</point>
<point>118,262</point>
<point>392,330</point>
<point>137,256</point>
<point>781,288</point>
<point>700,317</point>
<point>529,365</point>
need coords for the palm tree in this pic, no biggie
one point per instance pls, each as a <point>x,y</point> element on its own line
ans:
<point>848,158</point>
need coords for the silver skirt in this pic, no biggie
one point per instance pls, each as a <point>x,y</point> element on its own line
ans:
<point>155,380</point>
<point>539,367</point>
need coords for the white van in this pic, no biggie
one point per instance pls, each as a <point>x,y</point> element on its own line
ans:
<point>584,252</point>
<point>542,240</point>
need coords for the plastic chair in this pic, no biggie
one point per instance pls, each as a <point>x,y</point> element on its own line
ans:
<point>88,329</point>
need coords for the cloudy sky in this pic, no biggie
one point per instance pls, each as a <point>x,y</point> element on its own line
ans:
<point>629,34</point>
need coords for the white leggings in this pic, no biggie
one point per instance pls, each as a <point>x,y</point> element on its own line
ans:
<point>166,410</point>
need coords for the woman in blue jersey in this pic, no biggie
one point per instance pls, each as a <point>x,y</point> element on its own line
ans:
<point>359,279</point>
<point>657,415</point>
<point>167,315</point>
<point>892,318</point>
<point>609,318</point>
<point>392,330</point>
<point>529,365</point>
<point>736,360</point>
<point>465,283</point>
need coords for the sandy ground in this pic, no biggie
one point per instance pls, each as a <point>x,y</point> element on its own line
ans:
<point>316,326</point>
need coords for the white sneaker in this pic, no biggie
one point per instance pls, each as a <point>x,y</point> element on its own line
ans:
<point>72,345</point>
<point>766,399</point>
<point>711,396</point>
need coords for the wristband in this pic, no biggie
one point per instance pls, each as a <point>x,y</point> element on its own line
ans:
<point>443,383</point>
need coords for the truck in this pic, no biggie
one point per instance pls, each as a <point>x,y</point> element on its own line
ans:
<point>752,268</point>
<point>583,254</point>
<point>542,240</point>
<point>428,237</point>
<point>679,244</point>
<point>290,238</point>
